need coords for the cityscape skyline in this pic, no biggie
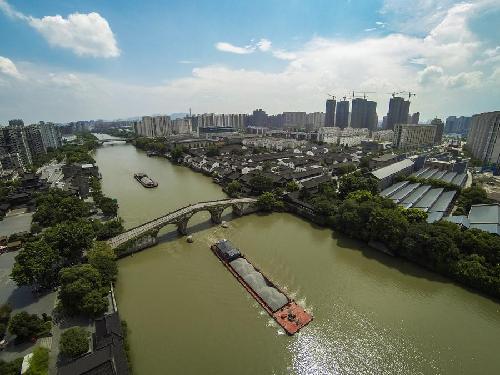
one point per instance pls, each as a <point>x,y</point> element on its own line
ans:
<point>66,61</point>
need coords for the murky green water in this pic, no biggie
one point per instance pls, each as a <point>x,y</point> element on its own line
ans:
<point>372,314</point>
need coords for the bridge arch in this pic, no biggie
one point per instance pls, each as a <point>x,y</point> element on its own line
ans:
<point>180,218</point>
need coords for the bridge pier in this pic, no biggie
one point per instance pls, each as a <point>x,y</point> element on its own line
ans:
<point>182,226</point>
<point>216,214</point>
<point>239,209</point>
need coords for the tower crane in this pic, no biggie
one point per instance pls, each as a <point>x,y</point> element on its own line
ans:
<point>410,94</point>
<point>333,96</point>
<point>362,92</point>
<point>395,93</point>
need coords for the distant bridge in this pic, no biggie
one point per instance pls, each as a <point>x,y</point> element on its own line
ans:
<point>147,232</point>
<point>101,141</point>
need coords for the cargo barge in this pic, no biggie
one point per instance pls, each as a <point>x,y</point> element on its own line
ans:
<point>145,181</point>
<point>286,312</point>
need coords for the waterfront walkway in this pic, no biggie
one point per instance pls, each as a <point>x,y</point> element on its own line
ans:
<point>181,217</point>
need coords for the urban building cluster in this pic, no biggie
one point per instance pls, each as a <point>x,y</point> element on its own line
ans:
<point>20,144</point>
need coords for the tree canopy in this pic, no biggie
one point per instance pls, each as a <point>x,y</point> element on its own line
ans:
<point>70,239</point>
<point>357,181</point>
<point>81,290</point>
<point>57,206</point>
<point>26,326</point>
<point>103,259</point>
<point>74,342</point>
<point>37,264</point>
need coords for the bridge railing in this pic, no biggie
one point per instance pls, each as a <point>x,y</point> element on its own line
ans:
<point>180,209</point>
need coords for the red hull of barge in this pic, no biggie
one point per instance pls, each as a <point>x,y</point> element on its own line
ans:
<point>290,317</point>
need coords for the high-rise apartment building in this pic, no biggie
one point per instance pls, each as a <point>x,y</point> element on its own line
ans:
<point>34,139</point>
<point>408,136</point>
<point>342,114</point>
<point>330,112</point>
<point>294,119</point>
<point>364,114</point>
<point>13,141</point>
<point>457,125</point>
<point>414,118</point>
<point>483,140</point>
<point>51,137</point>
<point>438,137</point>
<point>259,118</point>
<point>398,112</point>
<point>162,126</point>
<point>315,120</point>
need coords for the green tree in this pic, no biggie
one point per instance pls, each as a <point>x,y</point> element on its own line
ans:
<point>388,226</point>
<point>56,206</point>
<point>81,290</point>
<point>108,229</point>
<point>74,342</point>
<point>176,153</point>
<point>36,264</point>
<point>233,188</point>
<point>12,367</point>
<point>26,326</point>
<point>70,239</point>
<point>103,258</point>
<point>5,311</point>
<point>292,186</point>
<point>472,195</point>
<point>39,363</point>
<point>414,215</point>
<point>261,183</point>
<point>108,206</point>
<point>268,202</point>
<point>356,181</point>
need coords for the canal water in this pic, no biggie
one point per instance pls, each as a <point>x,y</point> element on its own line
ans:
<point>372,314</point>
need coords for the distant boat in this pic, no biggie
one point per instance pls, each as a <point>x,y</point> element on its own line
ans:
<point>145,181</point>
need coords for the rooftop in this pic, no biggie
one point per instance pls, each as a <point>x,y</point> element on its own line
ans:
<point>392,169</point>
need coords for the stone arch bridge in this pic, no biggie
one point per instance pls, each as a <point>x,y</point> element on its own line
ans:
<point>145,235</point>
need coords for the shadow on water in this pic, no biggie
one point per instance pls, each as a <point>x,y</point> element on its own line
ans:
<point>172,234</point>
<point>403,266</point>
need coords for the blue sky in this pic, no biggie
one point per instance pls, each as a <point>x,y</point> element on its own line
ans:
<point>69,60</point>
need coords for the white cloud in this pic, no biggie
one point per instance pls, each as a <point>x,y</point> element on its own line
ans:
<point>84,34</point>
<point>284,55</point>
<point>464,79</point>
<point>231,48</point>
<point>430,74</point>
<point>8,68</point>
<point>264,45</point>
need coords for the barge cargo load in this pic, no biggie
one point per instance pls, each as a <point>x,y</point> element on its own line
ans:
<point>145,181</point>
<point>288,314</point>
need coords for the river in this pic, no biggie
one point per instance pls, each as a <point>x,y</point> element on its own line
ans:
<point>372,314</point>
